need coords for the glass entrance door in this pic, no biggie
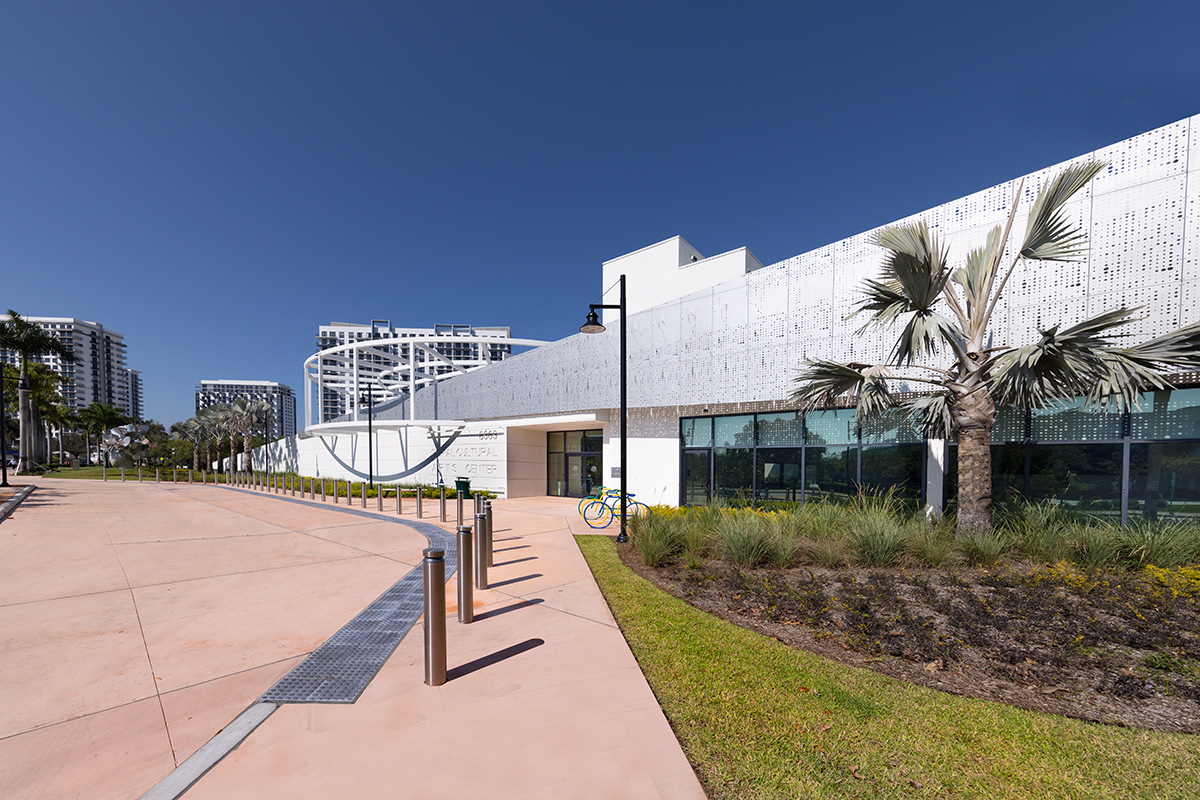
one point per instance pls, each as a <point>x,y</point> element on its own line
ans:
<point>574,466</point>
<point>697,478</point>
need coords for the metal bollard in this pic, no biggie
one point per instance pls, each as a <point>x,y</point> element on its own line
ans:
<point>156,471</point>
<point>379,499</point>
<point>139,473</point>
<point>104,471</point>
<point>481,565</point>
<point>420,497</point>
<point>174,474</point>
<point>190,477</point>
<point>204,476</point>
<point>335,491</point>
<point>399,500</point>
<point>466,601</point>
<point>434,573</point>
<point>487,512</point>
<point>322,490</point>
<point>442,501</point>
<point>122,474</point>
<point>363,492</point>
<point>459,498</point>
<point>478,502</point>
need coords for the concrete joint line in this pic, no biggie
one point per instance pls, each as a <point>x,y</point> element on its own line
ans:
<point>186,774</point>
<point>11,504</point>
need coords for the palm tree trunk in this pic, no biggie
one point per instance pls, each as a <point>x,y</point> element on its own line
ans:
<point>25,431</point>
<point>195,456</point>
<point>974,415</point>
<point>249,455</point>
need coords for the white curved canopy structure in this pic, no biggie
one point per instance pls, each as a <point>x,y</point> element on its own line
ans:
<point>392,369</point>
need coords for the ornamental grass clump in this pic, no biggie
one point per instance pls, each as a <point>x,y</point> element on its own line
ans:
<point>878,536</point>
<point>657,538</point>
<point>982,548</point>
<point>1161,544</point>
<point>744,537</point>
<point>932,541</point>
<point>1094,547</point>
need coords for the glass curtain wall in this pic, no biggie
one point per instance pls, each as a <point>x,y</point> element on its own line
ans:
<point>573,463</point>
<point>788,456</point>
<point>1141,464</point>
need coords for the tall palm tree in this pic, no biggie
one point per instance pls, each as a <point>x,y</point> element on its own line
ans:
<point>215,421</point>
<point>951,308</point>
<point>28,341</point>
<point>59,417</point>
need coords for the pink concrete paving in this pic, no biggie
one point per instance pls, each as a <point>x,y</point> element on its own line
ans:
<point>137,620</point>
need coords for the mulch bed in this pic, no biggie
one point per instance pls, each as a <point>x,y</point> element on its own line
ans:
<point>1116,649</point>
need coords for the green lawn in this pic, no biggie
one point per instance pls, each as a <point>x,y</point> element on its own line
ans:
<point>761,720</point>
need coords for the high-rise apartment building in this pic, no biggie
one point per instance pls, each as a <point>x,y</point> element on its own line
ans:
<point>99,375</point>
<point>278,395</point>
<point>334,403</point>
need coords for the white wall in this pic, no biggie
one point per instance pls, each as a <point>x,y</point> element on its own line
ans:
<point>479,455</point>
<point>668,270</point>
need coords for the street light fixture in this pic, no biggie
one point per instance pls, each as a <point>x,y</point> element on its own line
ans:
<point>368,400</point>
<point>592,325</point>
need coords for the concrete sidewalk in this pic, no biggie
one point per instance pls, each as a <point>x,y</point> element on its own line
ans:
<point>138,620</point>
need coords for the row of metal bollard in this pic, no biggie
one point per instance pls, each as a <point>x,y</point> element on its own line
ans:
<point>475,552</point>
<point>474,558</point>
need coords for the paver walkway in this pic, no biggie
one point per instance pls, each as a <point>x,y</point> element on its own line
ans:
<point>137,620</point>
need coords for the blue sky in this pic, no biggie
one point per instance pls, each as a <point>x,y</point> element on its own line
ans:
<point>216,179</point>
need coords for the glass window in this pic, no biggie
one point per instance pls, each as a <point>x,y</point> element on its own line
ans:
<point>1069,421</point>
<point>835,426</point>
<point>697,490</point>
<point>734,431</point>
<point>897,467</point>
<point>1086,477</point>
<point>1164,480</point>
<point>556,465</point>
<point>785,429</point>
<point>593,441</point>
<point>1010,425</point>
<point>892,427</point>
<point>733,473</point>
<point>697,431</point>
<point>574,441</point>
<point>779,473</point>
<point>830,472</point>
<point>1169,414</point>
<point>555,442</point>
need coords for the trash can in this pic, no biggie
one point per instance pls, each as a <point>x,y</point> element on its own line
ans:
<point>463,487</point>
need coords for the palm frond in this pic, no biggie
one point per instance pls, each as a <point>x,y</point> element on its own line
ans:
<point>1050,236</point>
<point>921,335</point>
<point>932,413</point>
<point>1062,363</point>
<point>823,382</point>
<point>976,275</point>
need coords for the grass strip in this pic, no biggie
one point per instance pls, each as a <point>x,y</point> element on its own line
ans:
<point>759,719</point>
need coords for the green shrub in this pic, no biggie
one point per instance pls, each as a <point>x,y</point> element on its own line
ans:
<point>785,540</point>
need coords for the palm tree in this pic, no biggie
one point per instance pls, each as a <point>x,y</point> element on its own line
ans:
<point>98,418</point>
<point>58,416</point>
<point>191,430</point>
<point>952,308</point>
<point>215,422</point>
<point>251,414</point>
<point>28,341</point>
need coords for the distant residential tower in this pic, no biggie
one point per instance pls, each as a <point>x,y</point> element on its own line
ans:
<point>280,397</point>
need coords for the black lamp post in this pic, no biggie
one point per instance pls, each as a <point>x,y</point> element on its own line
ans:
<point>368,400</point>
<point>593,326</point>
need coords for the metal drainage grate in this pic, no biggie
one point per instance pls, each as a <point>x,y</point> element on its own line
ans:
<point>340,669</point>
